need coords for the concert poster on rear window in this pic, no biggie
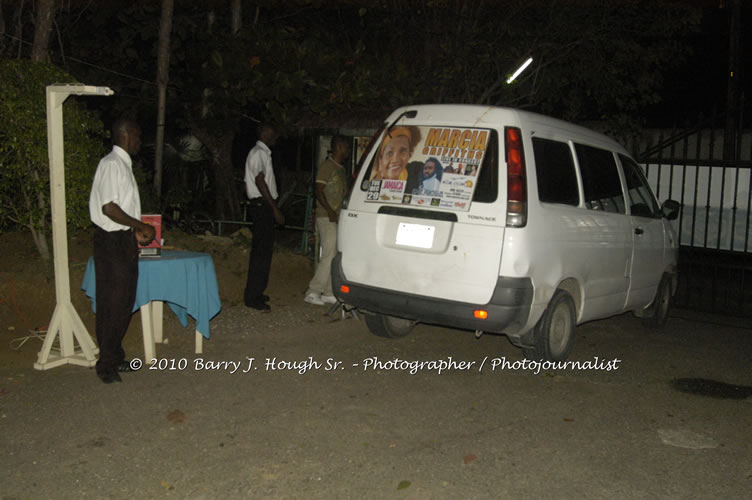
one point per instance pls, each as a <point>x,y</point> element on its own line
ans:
<point>427,166</point>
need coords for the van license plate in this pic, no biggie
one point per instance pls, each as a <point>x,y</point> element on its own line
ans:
<point>415,235</point>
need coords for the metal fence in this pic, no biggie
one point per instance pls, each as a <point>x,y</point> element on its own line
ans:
<point>715,223</point>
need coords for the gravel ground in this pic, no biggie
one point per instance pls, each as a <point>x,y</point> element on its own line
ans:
<point>289,428</point>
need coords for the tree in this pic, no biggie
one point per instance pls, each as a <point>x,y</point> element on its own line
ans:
<point>42,29</point>
<point>12,26</point>
<point>237,16</point>
<point>24,162</point>
<point>2,24</point>
<point>163,70</point>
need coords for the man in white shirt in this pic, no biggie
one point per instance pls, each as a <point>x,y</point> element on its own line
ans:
<point>261,189</point>
<point>115,209</point>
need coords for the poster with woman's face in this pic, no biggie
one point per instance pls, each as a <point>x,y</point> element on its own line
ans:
<point>427,166</point>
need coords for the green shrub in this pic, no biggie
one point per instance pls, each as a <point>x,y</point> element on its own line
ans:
<point>24,162</point>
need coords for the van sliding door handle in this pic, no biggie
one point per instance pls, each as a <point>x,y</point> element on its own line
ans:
<point>638,230</point>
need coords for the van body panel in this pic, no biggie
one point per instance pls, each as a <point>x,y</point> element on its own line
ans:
<point>590,246</point>
<point>594,248</point>
<point>508,310</point>
<point>462,263</point>
<point>648,259</point>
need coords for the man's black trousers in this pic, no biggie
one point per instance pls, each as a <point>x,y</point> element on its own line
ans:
<point>262,246</point>
<point>116,266</point>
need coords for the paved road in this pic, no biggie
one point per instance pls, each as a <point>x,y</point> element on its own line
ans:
<point>362,430</point>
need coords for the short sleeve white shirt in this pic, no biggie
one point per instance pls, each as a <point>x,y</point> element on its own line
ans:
<point>259,160</point>
<point>114,182</point>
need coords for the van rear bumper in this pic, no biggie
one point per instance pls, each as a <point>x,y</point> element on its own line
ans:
<point>508,308</point>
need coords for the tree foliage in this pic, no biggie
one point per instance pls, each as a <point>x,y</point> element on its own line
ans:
<point>24,162</point>
<point>593,60</point>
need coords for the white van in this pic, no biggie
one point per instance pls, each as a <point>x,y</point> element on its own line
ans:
<point>504,221</point>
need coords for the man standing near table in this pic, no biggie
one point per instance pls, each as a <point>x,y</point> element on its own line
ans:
<point>261,189</point>
<point>115,209</point>
<point>331,187</point>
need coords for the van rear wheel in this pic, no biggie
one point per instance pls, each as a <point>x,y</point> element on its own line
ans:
<point>389,326</point>
<point>554,334</point>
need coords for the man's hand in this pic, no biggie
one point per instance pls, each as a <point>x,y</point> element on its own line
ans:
<point>264,190</point>
<point>279,217</point>
<point>333,217</point>
<point>321,198</point>
<point>145,234</point>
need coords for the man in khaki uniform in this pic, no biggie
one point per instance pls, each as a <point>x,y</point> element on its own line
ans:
<point>331,187</point>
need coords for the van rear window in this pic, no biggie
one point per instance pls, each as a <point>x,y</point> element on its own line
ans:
<point>442,167</point>
<point>487,189</point>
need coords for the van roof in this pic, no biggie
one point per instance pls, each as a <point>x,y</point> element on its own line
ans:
<point>480,116</point>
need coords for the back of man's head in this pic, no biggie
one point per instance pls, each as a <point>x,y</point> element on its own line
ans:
<point>122,128</point>
<point>266,131</point>
<point>337,140</point>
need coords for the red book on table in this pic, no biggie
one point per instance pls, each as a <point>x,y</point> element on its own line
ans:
<point>154,248</point>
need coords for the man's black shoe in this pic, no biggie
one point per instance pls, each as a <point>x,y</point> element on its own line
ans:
<point>258,304</point>
<point>125,367</point>
<point>109,377</point>
<point>260,298</point>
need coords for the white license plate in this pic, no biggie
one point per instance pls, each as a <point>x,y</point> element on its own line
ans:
<point>415,235</point>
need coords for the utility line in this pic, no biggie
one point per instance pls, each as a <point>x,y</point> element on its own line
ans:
<point>124,75</point>
<point>102,68</point>
<point>111,71</point>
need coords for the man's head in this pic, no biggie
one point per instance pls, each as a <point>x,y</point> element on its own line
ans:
<point>431,168</point>
<point>340,147</point>
<point>267,134</point>
<point>126,133</point>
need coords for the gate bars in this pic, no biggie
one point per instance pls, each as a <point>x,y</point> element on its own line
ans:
<point>715,223</point>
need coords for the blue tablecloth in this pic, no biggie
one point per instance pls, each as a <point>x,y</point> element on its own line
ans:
<point>185,280</point>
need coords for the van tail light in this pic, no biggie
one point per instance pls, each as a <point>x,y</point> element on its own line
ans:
<point>344,289</point>
<point>516,183</point>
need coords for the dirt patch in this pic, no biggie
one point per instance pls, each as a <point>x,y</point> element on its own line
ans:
<point>27,284</point>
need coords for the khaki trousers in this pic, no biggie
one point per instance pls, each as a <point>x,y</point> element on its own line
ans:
<point>322,279</point>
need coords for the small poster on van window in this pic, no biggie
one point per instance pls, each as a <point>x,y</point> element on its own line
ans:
<point>427,166</point>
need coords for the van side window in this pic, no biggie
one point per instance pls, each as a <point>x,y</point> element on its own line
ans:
<point>642,203</point>
<point>488,181</point>
<point>600,179</point>
<point>554,167</point>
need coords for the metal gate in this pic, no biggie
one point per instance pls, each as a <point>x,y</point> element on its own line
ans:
<point>715,223</point>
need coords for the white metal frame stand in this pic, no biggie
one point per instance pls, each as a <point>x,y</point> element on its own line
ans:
<point>65,322</point>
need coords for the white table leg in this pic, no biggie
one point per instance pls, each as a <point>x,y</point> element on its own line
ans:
<point>157,307</point>
<point>147,322</point>
<point>199,343</point>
